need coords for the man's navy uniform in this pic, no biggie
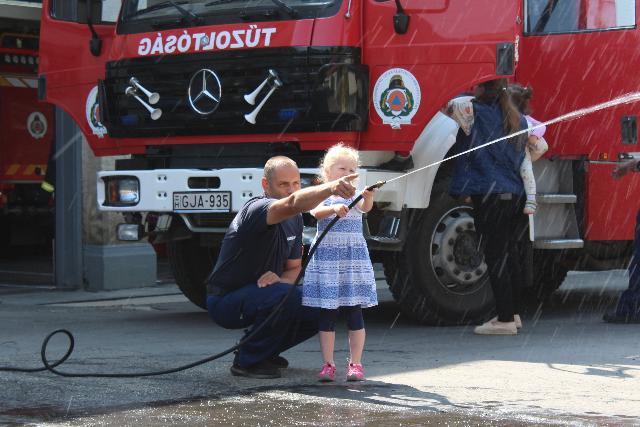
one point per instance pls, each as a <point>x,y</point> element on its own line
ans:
<point>249,249</point>
<point>628,308</point>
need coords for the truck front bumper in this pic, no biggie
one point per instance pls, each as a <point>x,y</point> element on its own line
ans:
<point>159,190</point>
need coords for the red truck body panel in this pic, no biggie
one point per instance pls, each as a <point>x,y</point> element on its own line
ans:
<point>577,70</point>
<point>611,205</point>
<point>26,125</point>
<point>448,48</point>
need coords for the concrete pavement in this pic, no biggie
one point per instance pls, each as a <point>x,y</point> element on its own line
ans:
<point>565,367</point>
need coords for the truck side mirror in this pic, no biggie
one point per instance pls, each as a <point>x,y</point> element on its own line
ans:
<point>82,12</point>
<point>400,19</point>
<point>95,44</point>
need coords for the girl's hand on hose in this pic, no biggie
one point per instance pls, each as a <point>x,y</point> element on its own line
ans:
<point>341,210</point>
<point>368,194</point>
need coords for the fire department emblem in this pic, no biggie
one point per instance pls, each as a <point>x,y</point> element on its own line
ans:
<point>396,97</point>
<point>37,125</point>
<point>92,109</point>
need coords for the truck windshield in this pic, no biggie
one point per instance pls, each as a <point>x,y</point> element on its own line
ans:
<point>559,17</point>
<point>147,15</point>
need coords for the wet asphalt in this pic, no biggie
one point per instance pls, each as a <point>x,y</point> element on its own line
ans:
<point>566,367</point>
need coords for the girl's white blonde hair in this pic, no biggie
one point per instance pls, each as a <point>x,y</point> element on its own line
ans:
<point>338,151</point>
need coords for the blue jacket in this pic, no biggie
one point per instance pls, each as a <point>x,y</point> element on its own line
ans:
<point>492,169</point>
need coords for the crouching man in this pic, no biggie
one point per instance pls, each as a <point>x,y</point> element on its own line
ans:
<point>260,257</point>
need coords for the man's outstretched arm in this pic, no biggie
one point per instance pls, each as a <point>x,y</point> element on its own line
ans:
<point>308,198</point>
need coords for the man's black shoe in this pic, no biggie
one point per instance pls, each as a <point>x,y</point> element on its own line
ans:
<point>262,370</point>
<point>278,362</point>
<point>615,318</point>
<point>398,163</point>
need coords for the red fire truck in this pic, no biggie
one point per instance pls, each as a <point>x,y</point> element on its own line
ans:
<point>199,93</point>
<point>26,133</point>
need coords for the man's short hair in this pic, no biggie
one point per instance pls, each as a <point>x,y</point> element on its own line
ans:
<point>274,163</point>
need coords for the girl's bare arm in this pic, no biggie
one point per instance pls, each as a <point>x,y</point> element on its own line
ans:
<point>366,203</point>
<point>321,211</point>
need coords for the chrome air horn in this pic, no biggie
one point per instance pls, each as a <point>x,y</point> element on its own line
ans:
<point>251,97</point>
<point>251,117</point>
<point>155,112</point>
<point>154,97</point>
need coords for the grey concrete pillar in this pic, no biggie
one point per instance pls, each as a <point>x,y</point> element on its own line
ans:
<point>108,263</point>
<point>68,202</point>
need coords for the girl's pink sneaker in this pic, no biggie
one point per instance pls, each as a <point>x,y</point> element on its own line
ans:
<point>355,372</point>
<point>327,373</point>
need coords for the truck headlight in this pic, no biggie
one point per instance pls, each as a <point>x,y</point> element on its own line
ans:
<point>122,191</point>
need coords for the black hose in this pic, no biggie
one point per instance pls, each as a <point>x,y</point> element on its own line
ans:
<point>276,310</point>
<point>42,353</point>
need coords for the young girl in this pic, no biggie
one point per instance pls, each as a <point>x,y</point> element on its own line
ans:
<point>536,144</point>
<point>461,110</point>
<point>340,273</point>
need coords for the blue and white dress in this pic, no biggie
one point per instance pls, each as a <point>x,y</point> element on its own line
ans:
<point>340,272</point>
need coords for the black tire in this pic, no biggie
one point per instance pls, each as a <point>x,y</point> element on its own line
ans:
<point>550,268</point>
<point>191,264</point>
<point>440,277</point>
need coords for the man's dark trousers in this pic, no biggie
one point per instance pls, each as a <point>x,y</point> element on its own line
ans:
<point>629,303</point>
<point>251,305</point>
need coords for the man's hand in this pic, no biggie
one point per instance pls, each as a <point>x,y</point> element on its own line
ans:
<point>268,278</point>
<point>343,187</point>
<point>624,169</point>
<point>340,210</point>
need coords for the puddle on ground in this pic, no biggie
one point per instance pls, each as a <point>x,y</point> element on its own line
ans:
<point>295,408</point>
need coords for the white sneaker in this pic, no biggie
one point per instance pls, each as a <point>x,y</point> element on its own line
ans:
<point>516,319</point>
<point>493,327</point>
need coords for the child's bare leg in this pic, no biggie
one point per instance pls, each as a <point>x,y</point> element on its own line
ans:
<point>529,180</point>
<point>356,345</point>
<point>327,343</point>
<point>355,323</point>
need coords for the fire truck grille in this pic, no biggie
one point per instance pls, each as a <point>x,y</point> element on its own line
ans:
<point>323,89</point>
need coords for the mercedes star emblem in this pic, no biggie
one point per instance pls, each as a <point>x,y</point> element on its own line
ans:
<point>205,92</point>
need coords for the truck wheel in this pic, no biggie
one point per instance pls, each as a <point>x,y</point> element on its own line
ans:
<point>549,271</point>
<point>191,264</point>
<point>440,277</point>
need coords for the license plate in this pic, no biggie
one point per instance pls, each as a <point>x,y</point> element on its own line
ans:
<point>212,201</point>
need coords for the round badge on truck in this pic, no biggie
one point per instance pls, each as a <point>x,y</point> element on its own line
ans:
<point>37,125</point>
<point>396,97</point>
<point>92,110</point>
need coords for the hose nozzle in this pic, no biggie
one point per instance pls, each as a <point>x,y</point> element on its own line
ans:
<point>376,185</point>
